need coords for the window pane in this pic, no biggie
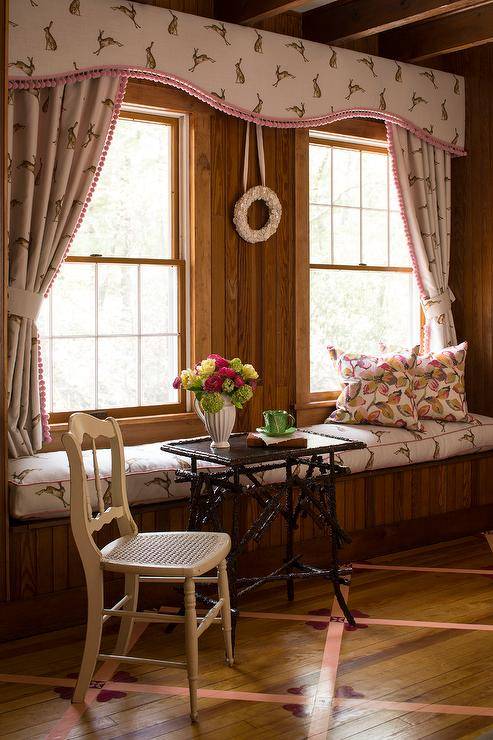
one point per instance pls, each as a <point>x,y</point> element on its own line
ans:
<point>73,374</point>
<point>117,299</point>
<point>73,312</point>
<point>130,212</point>
<point>346,225</point>
<point>374,225</point>
<point>399,250</point>
<point>346,177</point>
<point>159,367</point>
<point>356,311</point>
<point>118,372</point>
<point>374,180</point>
<point>320,174</point>
<point>159,299</point>
<point>320,247</point>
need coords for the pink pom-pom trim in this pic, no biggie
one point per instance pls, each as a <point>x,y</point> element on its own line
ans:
<point>238,112</point>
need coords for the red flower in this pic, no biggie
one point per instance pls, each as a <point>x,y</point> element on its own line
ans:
<point>177,382</point>
<point>214,383</point>
<point>239,381</point>
<point>227,372</point>
<point>219,360</point>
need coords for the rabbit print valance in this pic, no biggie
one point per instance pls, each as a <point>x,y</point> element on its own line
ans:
<point>260,76</point>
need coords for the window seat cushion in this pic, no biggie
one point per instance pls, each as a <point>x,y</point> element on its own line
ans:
<point>389,448</point>
<point>39,486</point>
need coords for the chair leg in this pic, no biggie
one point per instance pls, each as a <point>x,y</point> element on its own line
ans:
<point>223,588</point>
<point>93,637</point>
<point>127,623</point>
<point>191,645</point>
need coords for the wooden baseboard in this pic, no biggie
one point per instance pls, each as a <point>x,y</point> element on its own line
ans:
<point>68,607</point>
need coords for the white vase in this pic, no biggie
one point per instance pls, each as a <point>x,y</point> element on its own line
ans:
<point>219,425</point>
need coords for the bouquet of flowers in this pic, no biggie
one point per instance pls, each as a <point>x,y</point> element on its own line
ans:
<point>214,378</point>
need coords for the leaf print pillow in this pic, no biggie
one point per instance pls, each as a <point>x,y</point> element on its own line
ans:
<point>376,390</point>
<point>439,384</point>
<point>350,365</point>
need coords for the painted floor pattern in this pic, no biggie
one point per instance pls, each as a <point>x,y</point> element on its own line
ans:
<point>416,666</point>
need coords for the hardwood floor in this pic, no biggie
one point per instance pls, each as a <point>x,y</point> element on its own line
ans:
<point>287,663</point>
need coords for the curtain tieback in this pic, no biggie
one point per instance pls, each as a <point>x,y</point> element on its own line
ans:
<point>24,303</point>
<point>438,305</point>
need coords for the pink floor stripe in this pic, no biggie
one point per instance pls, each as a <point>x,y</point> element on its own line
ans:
<point>143,688</point>
<point>324,694</point>
<point>73,714</point>
<point>430,625</point>
<point>411,706</point>
<point>367,620</point>
<point>467,571</point>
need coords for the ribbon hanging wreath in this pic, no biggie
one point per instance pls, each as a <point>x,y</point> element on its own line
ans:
<point>259,192</point>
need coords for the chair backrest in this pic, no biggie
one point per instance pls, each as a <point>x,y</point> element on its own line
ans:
<point>82,520</point>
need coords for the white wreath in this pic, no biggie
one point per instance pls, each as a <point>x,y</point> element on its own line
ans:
<point>240,216</point>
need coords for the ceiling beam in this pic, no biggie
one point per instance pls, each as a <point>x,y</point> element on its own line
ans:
<point>358,19</point>
<point>252,11</point>
<point>441,36</point>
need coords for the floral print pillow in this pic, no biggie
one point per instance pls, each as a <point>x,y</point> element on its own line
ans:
<point>439,384</point>
<point>377,390</point>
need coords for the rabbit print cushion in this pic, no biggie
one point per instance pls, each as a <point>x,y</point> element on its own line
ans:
<point>376,390</point>
<point>439,384</point>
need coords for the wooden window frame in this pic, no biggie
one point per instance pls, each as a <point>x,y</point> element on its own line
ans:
<point>175,260</point>
<point>311,406</point>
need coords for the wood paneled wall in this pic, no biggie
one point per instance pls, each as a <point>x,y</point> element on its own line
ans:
<point>253,284</point>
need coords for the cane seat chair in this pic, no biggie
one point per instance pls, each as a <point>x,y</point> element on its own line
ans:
<point>156,557</point>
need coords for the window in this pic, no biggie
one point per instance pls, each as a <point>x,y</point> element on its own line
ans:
<point>362,290</point>
<point>112,329</point>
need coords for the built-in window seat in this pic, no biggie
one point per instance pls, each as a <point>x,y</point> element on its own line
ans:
<point>39,486</point>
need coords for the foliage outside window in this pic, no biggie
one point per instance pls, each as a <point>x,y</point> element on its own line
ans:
<point>112,334</point>
<point>362,291</point>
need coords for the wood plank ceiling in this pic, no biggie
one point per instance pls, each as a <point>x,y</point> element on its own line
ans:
<point>411,30</point>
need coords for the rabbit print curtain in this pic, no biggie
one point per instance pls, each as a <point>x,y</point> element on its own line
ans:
<point>260,76</point>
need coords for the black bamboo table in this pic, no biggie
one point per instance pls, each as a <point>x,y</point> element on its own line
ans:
<point>310,472</point>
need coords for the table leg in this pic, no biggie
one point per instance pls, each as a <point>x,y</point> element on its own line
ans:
<point>332,504</point>
<point>290,530</point>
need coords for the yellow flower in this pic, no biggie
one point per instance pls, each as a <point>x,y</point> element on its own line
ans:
<point>186,378</point>
<point>249,372</point>
<point>206,368</point>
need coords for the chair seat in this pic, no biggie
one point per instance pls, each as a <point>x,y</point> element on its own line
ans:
<point>166,553</point>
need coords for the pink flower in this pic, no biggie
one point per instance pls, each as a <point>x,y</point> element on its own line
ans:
<point>239,381</point>
<point>227,372</point>
<point>213,383</point>
<point>177,382</point>
<point>253,384</point>
<point>219,360</point>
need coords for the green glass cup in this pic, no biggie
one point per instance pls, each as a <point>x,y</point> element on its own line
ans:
<point>276,422</point>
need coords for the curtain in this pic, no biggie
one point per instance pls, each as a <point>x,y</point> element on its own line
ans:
<point>422,177</point>
<point>58,137</point>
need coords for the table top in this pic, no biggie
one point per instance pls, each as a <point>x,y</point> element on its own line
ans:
<point>240,454</point>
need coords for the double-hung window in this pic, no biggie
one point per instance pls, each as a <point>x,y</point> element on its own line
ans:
<point>112,329</point>
<point>362,290</point>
